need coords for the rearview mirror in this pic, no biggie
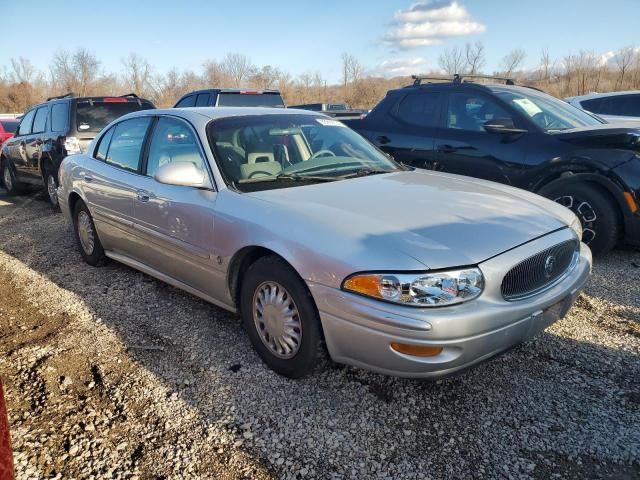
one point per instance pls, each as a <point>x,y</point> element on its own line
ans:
<point>502,125</point>
<point>184,174</point>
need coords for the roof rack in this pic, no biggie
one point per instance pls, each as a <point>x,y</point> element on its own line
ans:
<point>459,78</point>
<point>66,95</point>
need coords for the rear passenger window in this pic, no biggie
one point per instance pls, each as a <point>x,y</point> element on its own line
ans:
<point>103,146</point>
<point>173,141</point>
<point>419,109</point>
<point>59,117</point>
<point>204,100</point>
<point>40,122</point>
<point>126,143</point>
<point>187,102</point>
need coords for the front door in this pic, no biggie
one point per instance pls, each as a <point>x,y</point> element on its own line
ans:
<point>17,147</point>
<point>465,147</point>
<point>177,221</point>
<point>34,143</point>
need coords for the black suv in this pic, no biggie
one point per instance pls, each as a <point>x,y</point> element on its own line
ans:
<point>522,137</point>
<point>50,131</point>
<point>231,97</point>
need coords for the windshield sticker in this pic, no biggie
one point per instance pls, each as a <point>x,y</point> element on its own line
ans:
<point>528,106</point>
<point>327,122</point>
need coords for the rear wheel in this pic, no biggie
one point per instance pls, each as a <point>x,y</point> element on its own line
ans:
<point>596,210</point>
<point>280,317</point>
<point>51,180</point>
<point>87,236</point>
<point>9,180</point>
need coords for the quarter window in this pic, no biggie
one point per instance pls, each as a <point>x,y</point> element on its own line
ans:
<point>40,121</point>
<point>25,124</point>
<point>187,102</point>
<point>467,111</point>
<point>173,141</point>
<point>419,109</point>
<point>621,105</point>
<point>204,100</point>
<point>103,147</point>
<point>126,143</point>
<point>59,117</point>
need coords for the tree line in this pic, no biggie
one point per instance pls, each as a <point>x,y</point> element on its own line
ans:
<point>22,84</point>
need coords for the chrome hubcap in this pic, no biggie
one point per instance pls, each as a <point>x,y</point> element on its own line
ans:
<point>8,181</point>
<point>85,232</point>
<point>585,213</point>
<point>52,189</point>
<point>277,320</point>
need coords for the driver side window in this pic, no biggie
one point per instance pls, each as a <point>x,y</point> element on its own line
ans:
<point>467,111</point>
<point>173,141</point>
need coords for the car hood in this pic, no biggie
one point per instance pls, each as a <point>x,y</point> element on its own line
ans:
<point>610,135</point>
<point>440,220</point>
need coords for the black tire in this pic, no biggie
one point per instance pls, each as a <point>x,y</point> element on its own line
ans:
<point>9,181</point>
<point>309,354</point>
<point>596,210</point>
<point>51,176</point>
<point>95,257</point>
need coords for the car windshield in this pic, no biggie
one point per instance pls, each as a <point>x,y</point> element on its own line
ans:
<point>252,99</point>
<point>93,116</point>
<point>548,112</point>
<point>264,149</point>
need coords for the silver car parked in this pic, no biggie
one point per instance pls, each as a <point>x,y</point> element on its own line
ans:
<point>323,243</point>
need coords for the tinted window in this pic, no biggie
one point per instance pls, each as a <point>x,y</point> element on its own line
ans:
<point>187,102</point>
<point>250,100</point>
<point>468,111</point>
<point>172,141</point>
<point>59,117</point>
<point>622,105</point>
<point>103,147</point>
<point>10,126</point>
<point>204,100</point>
<point>25,124</point>
<point>40,121</point>
<point>420,109</point>
<point>597,105</point>
<point>94,116</point>
<point>126,143</point>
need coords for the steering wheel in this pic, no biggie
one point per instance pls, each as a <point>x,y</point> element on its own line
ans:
<point>545,120</point>
<point>259,172</point>
<point>323,153</point>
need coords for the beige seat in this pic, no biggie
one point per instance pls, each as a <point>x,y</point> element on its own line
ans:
<point>260,169</point>
<point>260,157</point>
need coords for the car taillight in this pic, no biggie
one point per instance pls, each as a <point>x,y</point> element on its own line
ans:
<point>114,100</point>
<point>251,92</point>
<point>72,145</point>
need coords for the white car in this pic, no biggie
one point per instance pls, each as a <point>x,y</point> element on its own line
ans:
<point>614,107</point>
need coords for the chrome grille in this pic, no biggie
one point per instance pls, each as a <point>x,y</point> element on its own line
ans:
<point>539,271</point>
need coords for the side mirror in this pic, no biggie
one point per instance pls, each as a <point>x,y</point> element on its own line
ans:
<point>184,174</point>
<point>502,125</point>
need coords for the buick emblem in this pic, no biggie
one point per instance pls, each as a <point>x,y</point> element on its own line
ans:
<point>549,265</point>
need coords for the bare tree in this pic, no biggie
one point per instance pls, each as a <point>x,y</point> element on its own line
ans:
<point>238,67</point>
<point>75,72</point>
<point>452,61</point>
<point>545,65</point>
<point>622,60</point>
<point>138,75</point>
<point>474,57</point>
<point>22,70</point>
<point>352,69</point>
<point>512,61</point>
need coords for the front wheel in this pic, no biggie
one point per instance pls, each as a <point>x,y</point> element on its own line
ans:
<point>596,210</point>
<point>87,236</point>
<point>281,318</point>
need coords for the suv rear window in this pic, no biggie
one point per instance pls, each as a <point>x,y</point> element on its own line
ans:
<point>94,116</point>
<point>233,99</point>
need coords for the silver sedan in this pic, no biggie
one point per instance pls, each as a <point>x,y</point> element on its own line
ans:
<point>322,243</point>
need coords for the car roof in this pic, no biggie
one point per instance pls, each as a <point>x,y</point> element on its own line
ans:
<point>200,114</point>
<point>230,90</point>
<point>490,87</point>
<point>589,96</point>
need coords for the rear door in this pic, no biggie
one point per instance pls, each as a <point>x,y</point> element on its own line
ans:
<point>111,180</point>
<point>176,222</point>
<point>466,148</point>
<point>35,141</point>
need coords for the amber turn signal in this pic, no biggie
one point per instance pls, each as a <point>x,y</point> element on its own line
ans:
<point>416,350</point>
<point>632,203</point>
<point>364,284</point>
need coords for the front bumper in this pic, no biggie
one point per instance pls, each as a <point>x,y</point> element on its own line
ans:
<point>358,331</point>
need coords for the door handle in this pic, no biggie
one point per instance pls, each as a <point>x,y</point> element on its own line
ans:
<point>446,149</point>
<point>383,140</point>
<point>142,196</point>
<point>88,178</point>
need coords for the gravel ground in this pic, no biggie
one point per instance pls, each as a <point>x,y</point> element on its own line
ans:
<point>112,374</point>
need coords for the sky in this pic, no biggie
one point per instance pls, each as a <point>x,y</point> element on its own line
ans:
<point>387,36</point>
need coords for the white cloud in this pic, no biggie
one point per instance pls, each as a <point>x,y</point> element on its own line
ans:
<point>399,67</point>
<point>428,23</point>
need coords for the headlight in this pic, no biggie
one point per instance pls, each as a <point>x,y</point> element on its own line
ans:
<point>576,226</point>
<point>420,289</point>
